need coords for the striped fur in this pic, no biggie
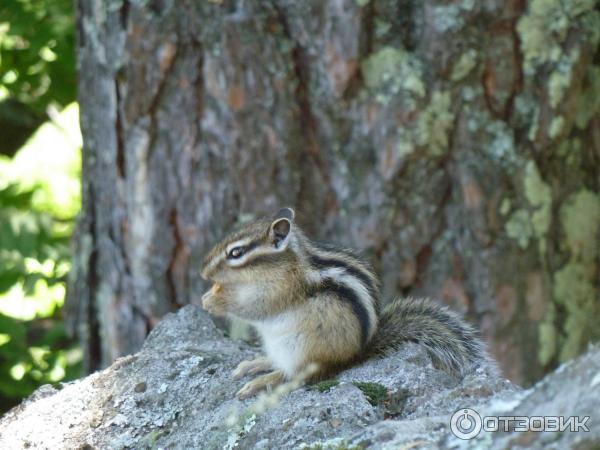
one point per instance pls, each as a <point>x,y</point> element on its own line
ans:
<point>313,303</point>
<point>453,344</point>
<point>345,276</point>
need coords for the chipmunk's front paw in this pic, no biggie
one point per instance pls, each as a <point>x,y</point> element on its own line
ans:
<point>268,381</point>
<point>214,301</point>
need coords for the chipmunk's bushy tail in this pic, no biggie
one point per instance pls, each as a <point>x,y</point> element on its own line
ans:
<point>452,343</point>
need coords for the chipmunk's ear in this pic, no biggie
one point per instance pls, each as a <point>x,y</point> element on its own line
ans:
<point>285,213</point>
<point>279,232</point>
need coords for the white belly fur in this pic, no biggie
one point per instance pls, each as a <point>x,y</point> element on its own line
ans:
<point>282,343</point>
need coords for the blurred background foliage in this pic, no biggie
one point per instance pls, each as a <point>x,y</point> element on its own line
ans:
<point>40,160</point>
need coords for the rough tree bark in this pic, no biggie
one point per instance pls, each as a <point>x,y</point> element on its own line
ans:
<point>456,142</point>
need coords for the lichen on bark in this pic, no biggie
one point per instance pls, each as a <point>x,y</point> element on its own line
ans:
<point>390,70</point>
<point>575,283</point>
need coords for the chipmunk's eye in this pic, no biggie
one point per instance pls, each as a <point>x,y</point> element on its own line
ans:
<point>236,252</point>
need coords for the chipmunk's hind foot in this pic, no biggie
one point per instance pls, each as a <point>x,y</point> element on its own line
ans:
<point>267,381</point>
<point>252,367</point>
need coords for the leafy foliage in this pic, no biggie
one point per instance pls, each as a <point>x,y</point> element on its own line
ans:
<point>37,60</point>
<point>37,66</point>
<point>34,259</point>
<point>39,193</point>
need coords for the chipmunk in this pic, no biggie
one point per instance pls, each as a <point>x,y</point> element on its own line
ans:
<point>317,305</point>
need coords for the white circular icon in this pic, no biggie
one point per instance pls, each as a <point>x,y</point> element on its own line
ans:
<point>465,423</point>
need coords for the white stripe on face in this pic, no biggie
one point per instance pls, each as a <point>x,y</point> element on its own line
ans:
<point>235,262</point>
<point>240,243</point>
<point>260,249</point>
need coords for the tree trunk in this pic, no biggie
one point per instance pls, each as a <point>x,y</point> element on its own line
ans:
<point>456,143</point>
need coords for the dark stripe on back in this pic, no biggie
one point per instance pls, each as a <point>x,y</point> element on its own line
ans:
<point>346,294</point>
<point>326,246</point>
<point>324,263</point>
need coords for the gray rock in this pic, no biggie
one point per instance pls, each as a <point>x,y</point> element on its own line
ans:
<point>177,393</point>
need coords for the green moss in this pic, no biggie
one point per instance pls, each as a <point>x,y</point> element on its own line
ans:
<point>560,79</point>
<point>505,206</point>
<point>574,284</point>
<point>570,151</point>
<point>325,385</point>
<point>557,84</point>
<point>590,98</point>
<point>545,27</point>
<point>463,66</point>
<point>450,17</point>
<point>382,28</point>
<point>590,22</point>
<point>549,47</point>
<point>152,438</point>
<point>334,444</point>
<point>556,126</point>
<point>539,195</point>
<point>361,3</point>
<point>435,123</point>
<point>527,113</point>
<point>535,123</point>
<point>518,227</point>
<point>405,144</point>
<point>524,225</point>
<point>580,217</point>
<point>432,128</point>
<point>381,66</point>
<point>574,289</point>
<point>502,147</point>
<point>390,70</point>
<point>469,93</point>
<point>547,336</point>
<point>376,393</point>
